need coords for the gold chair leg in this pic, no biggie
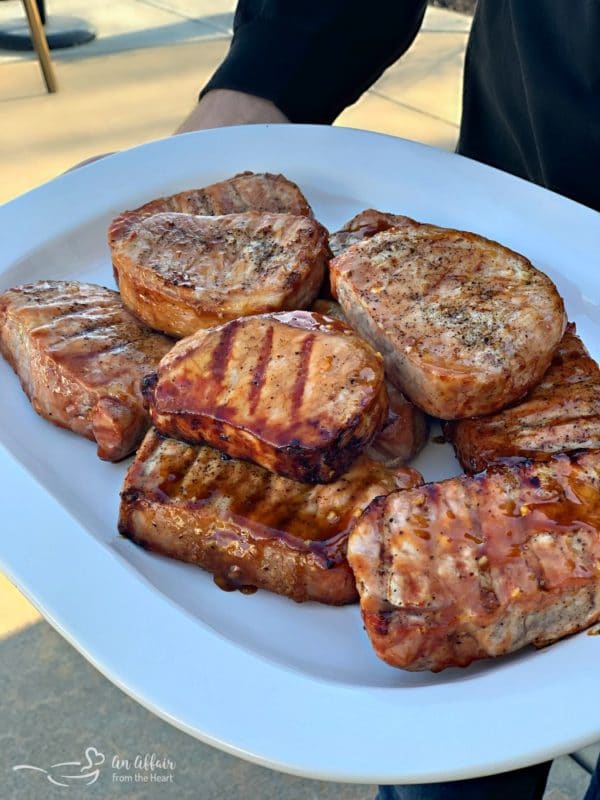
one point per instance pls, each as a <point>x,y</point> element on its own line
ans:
<point>38,38</point>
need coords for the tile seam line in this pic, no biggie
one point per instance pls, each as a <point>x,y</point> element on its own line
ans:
<point>70,57</point>
<point>197,20</point>
<point>384,96</point>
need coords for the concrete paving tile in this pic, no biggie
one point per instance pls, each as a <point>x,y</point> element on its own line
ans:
<point>104,104</point>
<point>101,716</point>
<point>429,77</point>
<point>376,113</point>
<point>216,13</point>
<point>442,20</point>
<point>120,26</point>
<point>566,781</point>
<point>589,756</point>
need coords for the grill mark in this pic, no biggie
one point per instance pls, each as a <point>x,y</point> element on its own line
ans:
<point>535,567</point>
<point>89,355</point>
<point>90,318</point>
<point>302,374</point>
<point>220,356</point>
<point>100,332</point>
<point>258,381</point>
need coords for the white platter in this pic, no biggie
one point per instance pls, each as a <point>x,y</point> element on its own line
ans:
<point>293,687</point>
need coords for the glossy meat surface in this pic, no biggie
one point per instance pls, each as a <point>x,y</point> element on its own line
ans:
<point>80,356</point>
<point>404,433</point>
<point>247,526</point>
<point>298,393</point>
<point>561,414</point>
<point>179,273</point>
<point>247,191</point>
<point>465,325</point>
<point>480,566</point>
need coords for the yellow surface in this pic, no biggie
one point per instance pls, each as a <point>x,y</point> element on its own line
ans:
<point>104,104</point>
<point>15,611</point>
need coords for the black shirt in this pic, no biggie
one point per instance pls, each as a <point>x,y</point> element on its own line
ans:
<point>531,99</point>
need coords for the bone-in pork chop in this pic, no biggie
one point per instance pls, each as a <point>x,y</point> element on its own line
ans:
<point>561,414</point>
<point>248,527</point>
<point>179,273</point>
<point>465,325</point>
<point>298,393</point>
<point>80,356</point>
<point>479,566</point>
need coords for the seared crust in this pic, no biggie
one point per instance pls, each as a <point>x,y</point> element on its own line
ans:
<point>465,325</point>
<point>298,393</point>
<point>404,433</point>
<point>476,567</point>
<point>248,527</point>
<point>363,226</point>
<point>80,356</point>
<point>247,191</point>
<point>179,273</point>
<point>561,414</point>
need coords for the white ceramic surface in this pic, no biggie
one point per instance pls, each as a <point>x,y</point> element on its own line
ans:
<point>293,687</point>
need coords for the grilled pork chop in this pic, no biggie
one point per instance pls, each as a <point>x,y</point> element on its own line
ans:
<point>298,393</point>
<point>179,272</point>
<point>465,325</point>
<point>561,414</point>
<point>404,432</point>
<point>248,527</point>
<point>363,226</point>
<point>80,356</point>
<point>476,567</point>
<point>247,191</point>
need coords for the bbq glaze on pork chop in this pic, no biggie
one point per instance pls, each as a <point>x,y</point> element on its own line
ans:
<point>404,433</point>
<point>247,191</point>
<point>476,567</point>
<point>465,325</point>
<point>561,414</point>
<point>80,356</point>
<point>179,273</point>
<point>298,393</point>
<point>247,526</point>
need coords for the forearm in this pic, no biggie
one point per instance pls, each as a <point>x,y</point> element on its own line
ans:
<point>311,59</point>
<point>225,107</point>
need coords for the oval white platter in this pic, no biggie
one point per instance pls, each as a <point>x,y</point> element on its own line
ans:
<point>293,687</point>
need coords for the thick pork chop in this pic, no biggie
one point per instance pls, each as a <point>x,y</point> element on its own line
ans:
<point>404,432</point>
<point>179,273</point>
<point>80,356</point>
<point>465,325</point>
<point>476,567</point>
<point>298,393</point>
<point>363,226</point>
<point>248,527</point>
<point>561,414</point>
<point>247,191</point>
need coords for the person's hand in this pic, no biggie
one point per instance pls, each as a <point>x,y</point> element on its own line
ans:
<point>226,107</point>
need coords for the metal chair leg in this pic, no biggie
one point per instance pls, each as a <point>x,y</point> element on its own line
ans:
<point>38,37</point>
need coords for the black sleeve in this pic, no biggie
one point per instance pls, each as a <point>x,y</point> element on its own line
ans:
<point>315,57</point>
